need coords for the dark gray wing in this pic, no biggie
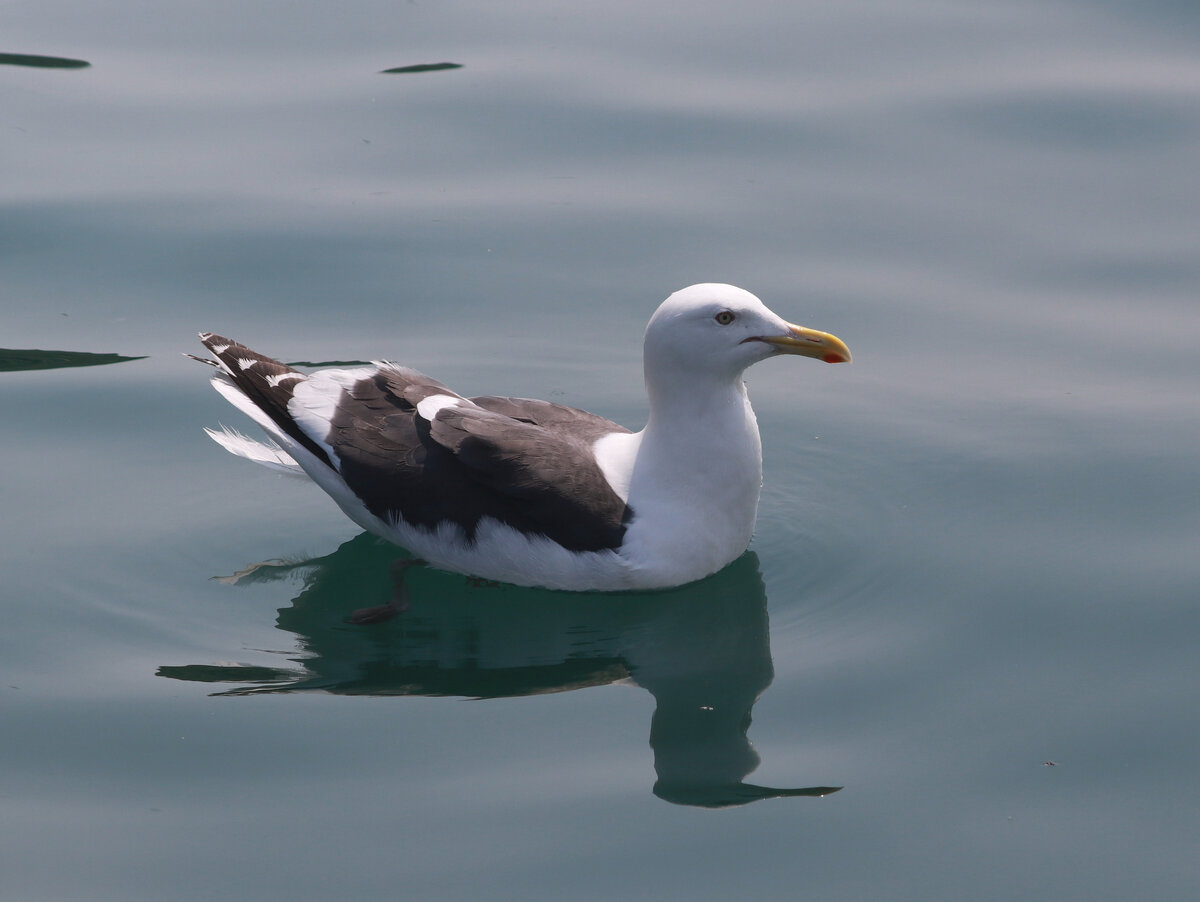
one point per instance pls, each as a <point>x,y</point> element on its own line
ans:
<point>570,422</point>
<point>527,464</point>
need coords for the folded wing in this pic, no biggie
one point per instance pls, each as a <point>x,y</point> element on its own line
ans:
<point>411,449</point>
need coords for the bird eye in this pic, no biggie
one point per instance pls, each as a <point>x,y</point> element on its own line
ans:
<point>724,317</point>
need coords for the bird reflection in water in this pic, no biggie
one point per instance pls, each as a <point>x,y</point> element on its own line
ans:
<point>701,650</point>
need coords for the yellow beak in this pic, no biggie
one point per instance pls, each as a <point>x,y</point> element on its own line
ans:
<point>810,343</point>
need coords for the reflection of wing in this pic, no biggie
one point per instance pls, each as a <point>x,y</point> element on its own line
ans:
<point>14,359</point>
<point>730,795</point>
<point>421,67</point>
<point>41,62</point>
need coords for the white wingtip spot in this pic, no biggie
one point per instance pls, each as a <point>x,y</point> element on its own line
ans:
<point>244,363</point>
<point>279,378</point>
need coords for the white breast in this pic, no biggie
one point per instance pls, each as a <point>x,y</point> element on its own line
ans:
<point>693,487</point>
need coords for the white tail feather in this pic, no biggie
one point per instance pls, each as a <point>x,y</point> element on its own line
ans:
<point>269,455</point>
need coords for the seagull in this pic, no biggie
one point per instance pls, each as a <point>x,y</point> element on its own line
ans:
<point>530,492</point>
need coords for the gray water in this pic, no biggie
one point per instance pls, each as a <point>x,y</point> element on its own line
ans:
<point>971,601</point>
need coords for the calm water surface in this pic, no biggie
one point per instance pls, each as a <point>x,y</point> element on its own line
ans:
<point>972,598</point>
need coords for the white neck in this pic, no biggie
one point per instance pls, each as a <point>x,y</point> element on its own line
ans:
<point>692,476</point>
<point>701,445</point>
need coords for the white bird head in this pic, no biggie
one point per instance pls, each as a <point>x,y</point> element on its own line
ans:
<point>718,330</point>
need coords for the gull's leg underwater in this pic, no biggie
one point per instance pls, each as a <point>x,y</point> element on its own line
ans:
<point>399,603</point>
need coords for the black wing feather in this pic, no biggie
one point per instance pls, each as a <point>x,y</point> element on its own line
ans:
<point>525,463</point>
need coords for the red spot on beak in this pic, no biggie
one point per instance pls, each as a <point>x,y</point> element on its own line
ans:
<point>833,358</point>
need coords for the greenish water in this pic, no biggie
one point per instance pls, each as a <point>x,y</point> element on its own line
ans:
<point>971,601</point>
